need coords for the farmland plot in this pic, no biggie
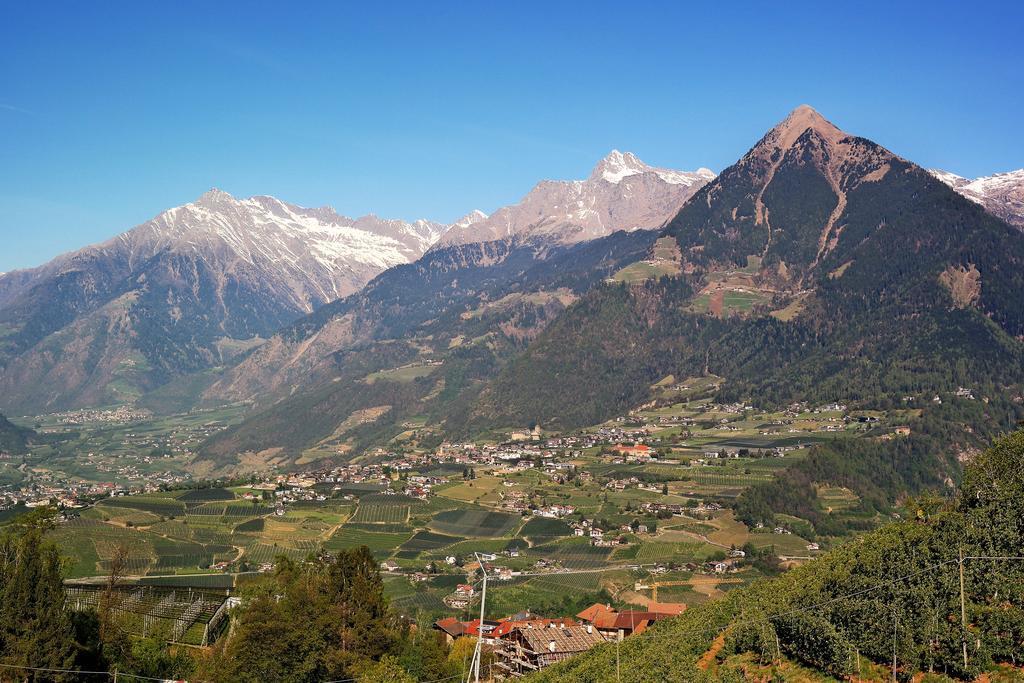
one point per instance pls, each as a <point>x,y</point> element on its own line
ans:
<point>474,522</point>
<point>381,514</point>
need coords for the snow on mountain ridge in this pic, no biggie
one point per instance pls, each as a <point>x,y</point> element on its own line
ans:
<point>618,165</point>
<point>265,225</point>
<point>1001,193</point>
<point>316,252</point>
<point>304,256</point>
<point>995,183</point>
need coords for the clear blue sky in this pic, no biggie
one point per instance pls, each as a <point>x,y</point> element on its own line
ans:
<point>111,112</point>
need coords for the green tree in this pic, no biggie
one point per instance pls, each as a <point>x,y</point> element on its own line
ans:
<point>387,670</point>
<point>35,629</point>
<point>313,621</point>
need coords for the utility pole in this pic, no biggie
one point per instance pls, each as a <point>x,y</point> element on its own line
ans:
<point>963,605</point>
<point>894,645</point>
<point>474,668</point>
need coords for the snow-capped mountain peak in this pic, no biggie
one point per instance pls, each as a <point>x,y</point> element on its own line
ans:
<point>616,166</point>
<point>474,216</point>
<point>621,193</point>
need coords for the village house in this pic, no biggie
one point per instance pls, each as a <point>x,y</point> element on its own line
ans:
<point>614,625</point>
<point>526,649</point>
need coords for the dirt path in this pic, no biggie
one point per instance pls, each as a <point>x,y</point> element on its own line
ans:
<point>708,657</point>
<point>715,302</point>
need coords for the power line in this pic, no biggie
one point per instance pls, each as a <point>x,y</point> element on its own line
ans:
<point>110,674</point>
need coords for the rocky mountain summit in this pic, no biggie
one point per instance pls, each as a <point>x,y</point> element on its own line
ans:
<point>621,193</point>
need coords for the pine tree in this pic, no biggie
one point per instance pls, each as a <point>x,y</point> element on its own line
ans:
<point>35,629</point>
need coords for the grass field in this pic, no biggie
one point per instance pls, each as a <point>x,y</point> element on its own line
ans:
<point>470,491</point>
<point>407,373</point>
<point>728,530</point>
<point>646,270</point>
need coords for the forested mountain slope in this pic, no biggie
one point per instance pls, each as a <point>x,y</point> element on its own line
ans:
<point>819,267</point>
<point>419,340</point>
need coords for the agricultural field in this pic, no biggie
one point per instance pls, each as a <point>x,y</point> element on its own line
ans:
<point>184,532</point>
<point>130,448</point>
<point>474,522</point>
<point>733,291</point>
<point>406,373</point>
<point>664,260</point>
<point>381,514</point>
<point>703,457</point>
<point>481,489</point>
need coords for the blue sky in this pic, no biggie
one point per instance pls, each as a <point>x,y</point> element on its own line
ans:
<point>111,112</point>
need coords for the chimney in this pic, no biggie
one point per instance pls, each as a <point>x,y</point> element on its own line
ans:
<point>551,646</point>
<point>590,628</point>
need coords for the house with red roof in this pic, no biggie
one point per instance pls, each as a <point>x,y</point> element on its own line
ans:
<point>615,625</point>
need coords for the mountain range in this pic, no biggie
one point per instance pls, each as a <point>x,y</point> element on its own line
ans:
<point>202,284</point>
<point>820,266</point>
<point>185,291</point>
